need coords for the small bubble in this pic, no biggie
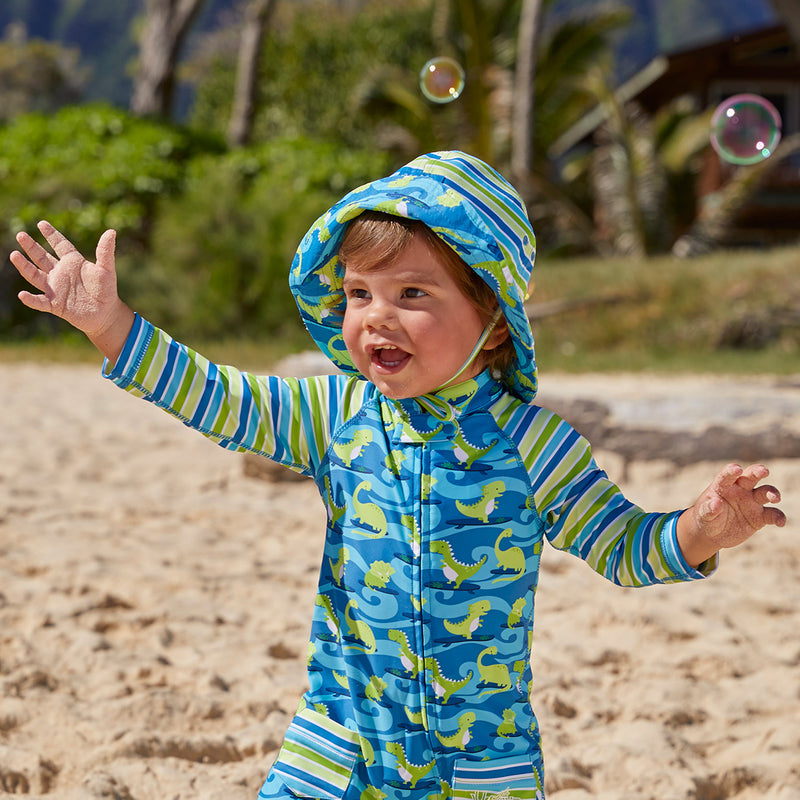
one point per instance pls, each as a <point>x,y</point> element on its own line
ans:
<point>745,129</point>
<point>441,79</point>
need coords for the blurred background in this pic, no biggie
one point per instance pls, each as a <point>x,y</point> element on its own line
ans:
<point>211,134</point>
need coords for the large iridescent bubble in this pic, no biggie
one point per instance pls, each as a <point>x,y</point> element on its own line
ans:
<point>745,129</point>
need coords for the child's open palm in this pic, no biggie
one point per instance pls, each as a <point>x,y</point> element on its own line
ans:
<point>728,512</point>
<point>82,292</point>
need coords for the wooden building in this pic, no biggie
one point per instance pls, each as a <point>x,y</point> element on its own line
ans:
<point>765,62</point>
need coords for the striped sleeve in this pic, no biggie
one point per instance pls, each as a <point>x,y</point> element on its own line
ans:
<point>288,420</point>
<point>586,514</point>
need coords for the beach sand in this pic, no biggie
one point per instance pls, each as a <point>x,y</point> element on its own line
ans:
<point>155,604</point>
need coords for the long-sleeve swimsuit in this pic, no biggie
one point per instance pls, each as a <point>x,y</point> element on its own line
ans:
<point>438,507</point>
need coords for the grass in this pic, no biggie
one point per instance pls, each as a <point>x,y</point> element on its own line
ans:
<point>671,315</point>
<point>657,315</point>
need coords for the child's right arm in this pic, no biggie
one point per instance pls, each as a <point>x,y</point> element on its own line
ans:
<point>286,420</point>
<point>82,292</point>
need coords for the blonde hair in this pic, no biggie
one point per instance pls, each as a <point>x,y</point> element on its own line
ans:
<point>377,239</point>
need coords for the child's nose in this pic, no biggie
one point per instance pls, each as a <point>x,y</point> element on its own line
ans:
<point>381,314</point>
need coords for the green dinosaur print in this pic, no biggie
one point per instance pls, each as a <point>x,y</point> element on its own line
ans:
<point>341,679</point>
<point>335,513</point>
<point>427,484</point>
<point>394,461</point>
<point>349,451</point>
<point>399,183</point>
<point>511,559</point>
<point>450,198</point>
<point>337,567</point>
<point>497,674</point>
<point>375,688</point>
<point>378,574</point>
<point>358,629</point>
<point>408,658</point>
<point>465,452</point>
<point>481,509</point>
<point>508,727</point>
<point>368,514</point>
<point>461,738</point>
<point>324,602</point>
<point>444,687</point>
<point>329,272</point>
<point>505,285</point>
<point>409,522</point>
<point>368,752</point>
<point>312,649</point>
<point>372,793</point>
<point>515,615</point>
<point>419,718</point>
<point>445,794</point>
<point>318,311</point>
<point>519,669</point>
<point>408,772</point>
<point>454,570</point>
<point>471,622</point>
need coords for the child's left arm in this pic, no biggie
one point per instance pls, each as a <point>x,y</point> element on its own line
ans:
<point>728,513</point>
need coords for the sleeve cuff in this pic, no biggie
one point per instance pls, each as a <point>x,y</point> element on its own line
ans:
<point>130,359</point>
<point>674,557</point>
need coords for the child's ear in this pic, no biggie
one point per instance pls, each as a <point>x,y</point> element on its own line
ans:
<point>498,335</point>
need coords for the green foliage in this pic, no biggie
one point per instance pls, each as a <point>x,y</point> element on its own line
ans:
<point>37,76</point>
<point>85,169</point>
<point>89,168</point>
<point>221,250</point>
<point>317,67</point>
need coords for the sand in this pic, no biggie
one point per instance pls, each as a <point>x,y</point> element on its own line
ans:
<point>155,604</point>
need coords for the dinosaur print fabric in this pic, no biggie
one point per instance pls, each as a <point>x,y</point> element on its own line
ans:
<point>438,508</point>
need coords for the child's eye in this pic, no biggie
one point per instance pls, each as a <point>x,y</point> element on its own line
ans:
<point>411,291</point>
<point>357,294</point>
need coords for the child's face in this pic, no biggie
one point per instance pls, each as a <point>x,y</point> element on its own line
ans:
<point>407,326</point>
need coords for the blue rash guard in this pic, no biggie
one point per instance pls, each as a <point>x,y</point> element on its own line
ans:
<point>438,508</point>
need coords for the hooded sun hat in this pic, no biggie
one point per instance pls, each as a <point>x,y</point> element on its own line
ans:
<point>468,205</point>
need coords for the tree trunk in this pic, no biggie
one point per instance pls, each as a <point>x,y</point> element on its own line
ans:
<point>257,16</point>
<point>166,23</point>
<point>523,105</point>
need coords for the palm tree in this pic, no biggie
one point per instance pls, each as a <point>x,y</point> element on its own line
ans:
<point>524,82</point>
<point>715,218</point>
<point>256,20</point>
<point>166,24</point>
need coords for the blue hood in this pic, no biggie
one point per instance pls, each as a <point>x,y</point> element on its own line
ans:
<point>468,205</point>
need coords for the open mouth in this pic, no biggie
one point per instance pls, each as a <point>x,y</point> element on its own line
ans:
<point>389,358</point>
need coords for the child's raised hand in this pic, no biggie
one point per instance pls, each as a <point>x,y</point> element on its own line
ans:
<point>728,512</point>
<point>82,292</point>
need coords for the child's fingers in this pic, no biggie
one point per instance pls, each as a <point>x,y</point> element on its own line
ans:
<point>36,252</point>
<point>105,249</point>
<point>766,494</point>
<point>751,476</point>
<point>774,516</point>
<point>37,302</point>
<point>60,244</point>
<point>727,477</point>
<point>35,276</point>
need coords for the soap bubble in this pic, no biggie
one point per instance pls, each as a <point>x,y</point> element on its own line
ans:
<point>441,79</point>
<point>745,129</point>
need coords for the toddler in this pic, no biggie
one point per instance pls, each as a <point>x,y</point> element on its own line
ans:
<point>441,477</point>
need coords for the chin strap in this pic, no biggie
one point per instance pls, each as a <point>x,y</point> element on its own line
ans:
<point>475,350</point>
